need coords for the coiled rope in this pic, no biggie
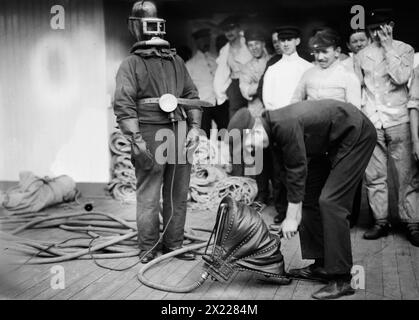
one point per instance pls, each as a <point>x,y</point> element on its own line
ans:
<point>210,181</point>
<point>123,181</point>
<point>209,185</point>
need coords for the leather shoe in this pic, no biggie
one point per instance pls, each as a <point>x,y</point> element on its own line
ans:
<point>335,289</point>
<point>189,256</point>
<point>377,231</point>
<point>279,218</point>
<point>413,233</point>
<point>311,272</point>
<point>146,256</point>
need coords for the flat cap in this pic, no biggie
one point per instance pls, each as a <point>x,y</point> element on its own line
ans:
<point>254,34</point>
<point>230,22</point>
<point>287,32</point>
<point>378,17</point>
<point>324,38</point>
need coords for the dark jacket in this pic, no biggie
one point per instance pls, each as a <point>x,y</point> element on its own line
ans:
<point>150,73</point>
<point>309,129</point>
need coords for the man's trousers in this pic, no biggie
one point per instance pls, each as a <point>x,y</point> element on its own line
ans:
<point>394,142</point>
<point>271,172</point>
<point>150,183</point>
<point>330,191</point>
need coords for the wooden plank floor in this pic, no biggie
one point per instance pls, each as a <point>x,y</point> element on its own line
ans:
<point>391,267</point>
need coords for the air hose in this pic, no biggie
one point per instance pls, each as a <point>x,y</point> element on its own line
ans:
<point>83,252</point>
<point>161,287</point>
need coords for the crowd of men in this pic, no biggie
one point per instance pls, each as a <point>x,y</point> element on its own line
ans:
<point>377,76</point>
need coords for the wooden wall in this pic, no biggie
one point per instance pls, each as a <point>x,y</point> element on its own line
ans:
<point>53,99</point>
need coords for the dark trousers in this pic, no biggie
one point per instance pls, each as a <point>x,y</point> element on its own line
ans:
<point>149,186</point>
<point>220,115</point>
<point>267,175</point>
<point>356,207</point>
<point>324,229</point>
<point>271,173</point>
<point>235,98</point>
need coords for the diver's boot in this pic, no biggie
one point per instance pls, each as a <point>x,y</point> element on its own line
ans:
<point>146,256</point>
<point>189,256</point>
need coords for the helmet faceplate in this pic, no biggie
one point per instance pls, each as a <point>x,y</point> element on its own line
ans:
<point>144,23</point>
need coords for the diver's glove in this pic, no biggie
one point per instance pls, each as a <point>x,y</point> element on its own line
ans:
<point>192,140</point>
<point>140,154</point>
<point>194,124</point>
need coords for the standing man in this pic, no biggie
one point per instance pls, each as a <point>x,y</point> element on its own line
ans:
<point>384,68</point>
<point>202,68</point>
<point>249,80</point>
<point>233,56</point>
<point>328,79</point>
<point>282,78</point>
<point>319,201</point>
<point>253,70</point>
<point>274,59</point>
<point>357,41</point>
<point>279,83</point>
<point>149,72</point>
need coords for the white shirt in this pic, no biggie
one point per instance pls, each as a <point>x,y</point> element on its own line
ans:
<point>201,68</point>
<point>281,79</point>
<point>222,78</point>
<point>336,82</point>
<point>349,63</point>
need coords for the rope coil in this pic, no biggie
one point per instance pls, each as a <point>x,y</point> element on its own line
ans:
<point>210,181</point>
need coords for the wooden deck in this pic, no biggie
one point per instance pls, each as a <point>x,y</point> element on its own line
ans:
<point>391,270</point>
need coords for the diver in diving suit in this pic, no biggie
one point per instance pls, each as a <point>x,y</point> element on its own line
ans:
<point>152,70</point>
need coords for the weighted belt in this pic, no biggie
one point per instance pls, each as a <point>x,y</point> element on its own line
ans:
<point>191,103</point>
